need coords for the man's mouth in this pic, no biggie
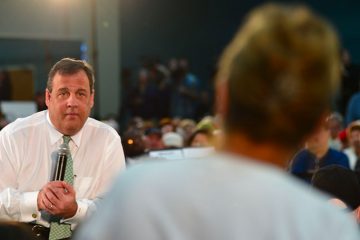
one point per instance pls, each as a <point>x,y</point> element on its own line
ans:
<point>71,114</point>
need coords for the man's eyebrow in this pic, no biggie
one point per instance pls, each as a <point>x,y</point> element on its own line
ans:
<point>81,90</point>
<point>63,89</point>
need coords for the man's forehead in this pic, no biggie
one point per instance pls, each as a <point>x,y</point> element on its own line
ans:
<point>60,89</point>
<point>80,72</point>
<point>355,130</point>
<point>70,80</point>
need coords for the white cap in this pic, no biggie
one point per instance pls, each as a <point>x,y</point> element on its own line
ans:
<point>172,139</point>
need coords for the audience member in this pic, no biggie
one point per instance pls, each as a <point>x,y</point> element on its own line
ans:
<point>142,97</point>
<point>344,139</point>
<point>172,140</point>
<point>353,151</point>
<point>335,124</point>
<point>275,81</point>
<point>28,155</point>
<point>166,125</point>
<point>201,138</point>
<point>353,108</point>
<point>208,123</point>
<point>185,88</point>
<point>153,139</point>
<point>186,128</point>
<point>39,99</point>
<point>350,82</point>
<point>134,144</point>
<point>317,154</point>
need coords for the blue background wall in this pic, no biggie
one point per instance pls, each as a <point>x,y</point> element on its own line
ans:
<point>200,29</point>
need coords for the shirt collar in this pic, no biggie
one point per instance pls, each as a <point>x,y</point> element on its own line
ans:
<point>56,136</point>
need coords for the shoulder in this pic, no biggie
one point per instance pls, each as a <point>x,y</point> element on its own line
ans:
<point>238,185</point>
<point>303,153</point>
<point>350,153</point>
<point>337,154</point>
<point>301,157</point>
<point>29,123</point>
<point>355,99</point>
<point>99,128</point>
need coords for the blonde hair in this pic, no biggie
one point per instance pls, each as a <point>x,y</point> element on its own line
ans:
<point>281,68</point>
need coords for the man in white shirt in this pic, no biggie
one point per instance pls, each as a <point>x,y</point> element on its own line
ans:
<point>29,147</point>
<point>275,82</point>
<point>353,151</point>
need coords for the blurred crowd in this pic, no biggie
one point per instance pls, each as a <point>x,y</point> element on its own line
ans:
<point>161,90</point>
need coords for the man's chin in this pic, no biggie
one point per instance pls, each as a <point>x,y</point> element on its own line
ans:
<point>71,130</point>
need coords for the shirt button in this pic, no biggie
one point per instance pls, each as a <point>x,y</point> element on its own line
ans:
<point>34,215</point>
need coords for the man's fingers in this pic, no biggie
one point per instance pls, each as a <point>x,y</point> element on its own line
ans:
<point>68,189</point>
<point>53,196</point>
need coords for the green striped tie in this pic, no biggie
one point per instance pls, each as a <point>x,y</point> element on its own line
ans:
<point>63,230</point>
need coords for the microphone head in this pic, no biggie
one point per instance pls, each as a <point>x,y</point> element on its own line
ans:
<point>64,149</point>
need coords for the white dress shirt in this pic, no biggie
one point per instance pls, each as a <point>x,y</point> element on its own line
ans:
<point>28,151</point>
<point>350,153</point>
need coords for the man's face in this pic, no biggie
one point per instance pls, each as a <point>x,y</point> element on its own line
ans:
<point>335,128</point>
<point>355,138</point>
<point>70,102</point>
<point>318,140</point>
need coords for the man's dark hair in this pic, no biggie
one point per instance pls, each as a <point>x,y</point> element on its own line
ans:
<point>70,66</point>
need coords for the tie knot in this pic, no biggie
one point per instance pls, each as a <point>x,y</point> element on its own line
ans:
<point>66,139</point>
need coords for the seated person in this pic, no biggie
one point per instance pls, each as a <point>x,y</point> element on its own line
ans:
<point>201,138</point>
<point>353,150</point>
<point>317,154</point>
<point>335,123</point>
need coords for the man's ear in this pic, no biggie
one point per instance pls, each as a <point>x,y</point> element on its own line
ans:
<point>47,97</point>
<point>92,98</point>
<point>222,98</point>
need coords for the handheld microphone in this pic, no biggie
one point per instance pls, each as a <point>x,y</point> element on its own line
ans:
<point>61,160</point>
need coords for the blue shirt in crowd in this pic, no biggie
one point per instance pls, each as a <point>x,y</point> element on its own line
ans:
<point>305,163</point>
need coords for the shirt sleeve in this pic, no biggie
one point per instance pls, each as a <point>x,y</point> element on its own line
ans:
<point>83,206</point>
<point>14,205</point>
<point>17,206</point>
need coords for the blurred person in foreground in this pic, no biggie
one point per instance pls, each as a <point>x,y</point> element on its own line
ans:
<point>275,82</point>
<point>28,155</point>
<point>317,154</point>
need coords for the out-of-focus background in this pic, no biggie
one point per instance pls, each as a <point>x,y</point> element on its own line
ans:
<point>154,60</point>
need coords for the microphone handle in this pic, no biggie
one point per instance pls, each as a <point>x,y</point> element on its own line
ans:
<point>60,167</point>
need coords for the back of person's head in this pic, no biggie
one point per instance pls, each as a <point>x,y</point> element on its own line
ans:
<point>133,143</point>
<point>339,182</point>
<point>281,70</point>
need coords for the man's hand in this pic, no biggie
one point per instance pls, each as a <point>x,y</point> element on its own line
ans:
<point>58,198</point>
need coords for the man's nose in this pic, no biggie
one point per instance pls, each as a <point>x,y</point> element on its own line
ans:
<point>72,100</point>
